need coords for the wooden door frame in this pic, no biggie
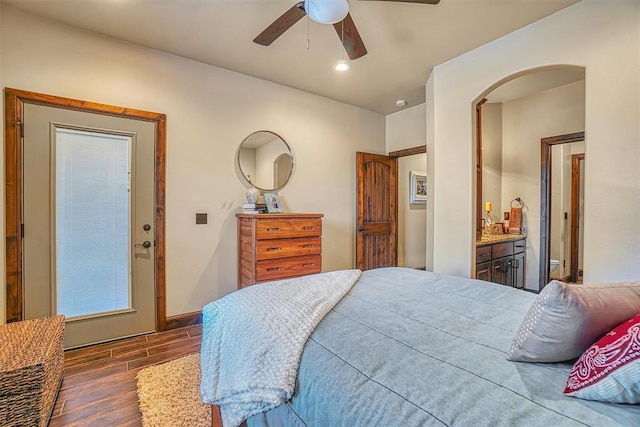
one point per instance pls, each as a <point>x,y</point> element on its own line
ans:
<point>14,103</point>
<point>479,210</point>
<point>574,244</point>
<point>545,199</point>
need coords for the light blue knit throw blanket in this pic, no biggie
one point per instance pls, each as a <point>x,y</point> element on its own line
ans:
<point>253,340</point>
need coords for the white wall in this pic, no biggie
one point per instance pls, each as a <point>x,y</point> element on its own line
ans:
<point>412,218</point>
<point>209,112</point>
<point>604,37</point>
<point>406,129</point>
<point>524,122</point>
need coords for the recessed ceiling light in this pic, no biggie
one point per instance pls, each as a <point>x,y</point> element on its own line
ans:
<point>342,65</point>
<point>401,103</point>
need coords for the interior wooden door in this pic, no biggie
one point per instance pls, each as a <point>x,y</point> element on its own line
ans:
<point>377,195</point>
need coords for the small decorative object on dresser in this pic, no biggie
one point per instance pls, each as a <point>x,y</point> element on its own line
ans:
<point>278,246</point>
<point>252,192</point>
<point>273,202</point>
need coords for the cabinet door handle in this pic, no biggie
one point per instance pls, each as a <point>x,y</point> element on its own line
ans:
<point>273,229</point>
<point>272,249</point>
<point>273,269</point>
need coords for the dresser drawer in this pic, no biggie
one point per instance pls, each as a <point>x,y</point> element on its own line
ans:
<point>281,268</point>
<point>483,254</point>
<point>284,248</point>
<point>286,228</point>
<point>502,249</point>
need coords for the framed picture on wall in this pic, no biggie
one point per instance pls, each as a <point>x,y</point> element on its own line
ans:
<point>273,202</point>
<point>417,187</point>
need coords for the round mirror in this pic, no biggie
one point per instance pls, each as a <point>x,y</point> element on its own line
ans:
<point>265,160</point>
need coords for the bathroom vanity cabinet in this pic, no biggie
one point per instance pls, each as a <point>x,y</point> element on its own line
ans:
<point>502,260</point>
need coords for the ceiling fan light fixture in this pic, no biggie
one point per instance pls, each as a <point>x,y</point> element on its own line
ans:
<point>342,65</point>
<point>326,11</point>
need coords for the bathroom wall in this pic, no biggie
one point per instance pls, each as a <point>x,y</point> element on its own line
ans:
<point>524,122</point>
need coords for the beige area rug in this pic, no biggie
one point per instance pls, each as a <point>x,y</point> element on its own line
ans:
<point>169,394</point>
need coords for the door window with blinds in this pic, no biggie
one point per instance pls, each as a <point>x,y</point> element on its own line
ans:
<point>92,191</point>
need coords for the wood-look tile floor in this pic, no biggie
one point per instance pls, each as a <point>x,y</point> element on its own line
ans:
<point>99,385</point>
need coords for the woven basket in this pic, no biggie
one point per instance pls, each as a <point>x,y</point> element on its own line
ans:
<point>31,368</point>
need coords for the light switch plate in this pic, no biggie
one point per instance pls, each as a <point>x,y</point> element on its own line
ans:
<point>201,218</point>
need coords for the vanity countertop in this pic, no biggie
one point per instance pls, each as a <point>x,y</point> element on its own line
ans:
<point>487,239</point>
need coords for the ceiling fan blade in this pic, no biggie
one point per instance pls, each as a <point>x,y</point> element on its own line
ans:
<point>352,41</point>
<point>411,1</point>
<point>280,25</point>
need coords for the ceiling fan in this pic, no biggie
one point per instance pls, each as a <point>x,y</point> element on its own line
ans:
<point>334,12</point>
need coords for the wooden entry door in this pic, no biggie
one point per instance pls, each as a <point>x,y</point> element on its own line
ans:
<point>16,102</point>
<point>376,222</point>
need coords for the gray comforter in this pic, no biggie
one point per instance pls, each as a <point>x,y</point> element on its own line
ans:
<point>409,348</point>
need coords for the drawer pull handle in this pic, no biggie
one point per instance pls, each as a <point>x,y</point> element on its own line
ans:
<point>484,255</point>
<point>272,249</point>
<point>309,264</point>
<point>309,227</point>
<point>273,269</point>
<point>308,246</point>
<point>273,229</point>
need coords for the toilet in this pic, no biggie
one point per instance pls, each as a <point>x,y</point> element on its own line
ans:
<point>553,265</point>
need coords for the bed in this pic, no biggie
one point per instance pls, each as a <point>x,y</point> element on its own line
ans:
<point>410,348</point>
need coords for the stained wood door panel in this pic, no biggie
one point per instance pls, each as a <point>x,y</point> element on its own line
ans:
<point>378,253</point>
<point>376,236</point>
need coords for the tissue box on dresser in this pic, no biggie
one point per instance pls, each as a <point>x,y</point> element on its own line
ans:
<point>31,368</point>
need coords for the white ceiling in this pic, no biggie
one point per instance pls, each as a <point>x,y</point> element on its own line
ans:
<point>404,40</point>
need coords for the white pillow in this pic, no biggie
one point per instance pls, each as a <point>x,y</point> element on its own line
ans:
<point>564,320</point>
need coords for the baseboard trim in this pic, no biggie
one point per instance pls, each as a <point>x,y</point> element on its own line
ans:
<point>182,320</point>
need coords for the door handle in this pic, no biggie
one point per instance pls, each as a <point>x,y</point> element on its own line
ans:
<point>360,228</point>
<point>146,244</point>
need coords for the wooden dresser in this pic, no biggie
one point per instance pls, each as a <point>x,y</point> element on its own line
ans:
<point>278,246</point>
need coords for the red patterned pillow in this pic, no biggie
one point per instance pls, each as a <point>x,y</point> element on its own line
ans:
<point>609,371</point>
